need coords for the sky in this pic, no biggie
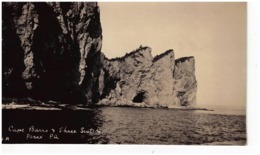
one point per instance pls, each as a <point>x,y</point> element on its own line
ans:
<point>214,33</point>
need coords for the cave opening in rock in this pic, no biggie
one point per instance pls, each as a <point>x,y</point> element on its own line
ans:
<point>139,98</point>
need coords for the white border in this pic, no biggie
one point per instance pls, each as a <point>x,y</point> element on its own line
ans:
<point>253,144</point>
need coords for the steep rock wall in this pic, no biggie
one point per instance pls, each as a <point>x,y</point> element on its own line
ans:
<point>52,51</point>
<point>138,79</point>
<point>46,48</point>
<point>185,83</point>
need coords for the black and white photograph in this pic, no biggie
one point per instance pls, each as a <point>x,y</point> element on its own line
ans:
<point>153,73</point>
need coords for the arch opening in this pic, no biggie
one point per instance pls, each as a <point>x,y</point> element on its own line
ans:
<point>139,98</point>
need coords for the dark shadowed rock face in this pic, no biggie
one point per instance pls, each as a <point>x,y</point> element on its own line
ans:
<point>46,48</point>
<point>52,51</point>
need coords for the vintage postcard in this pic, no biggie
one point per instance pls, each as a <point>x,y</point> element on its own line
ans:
<point>167,73</point>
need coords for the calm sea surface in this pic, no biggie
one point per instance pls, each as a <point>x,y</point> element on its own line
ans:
<point>123,125</point>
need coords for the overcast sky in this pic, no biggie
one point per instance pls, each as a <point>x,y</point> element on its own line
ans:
<point>214,33</point>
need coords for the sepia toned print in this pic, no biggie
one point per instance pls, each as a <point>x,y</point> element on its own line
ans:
<point>70,74</point>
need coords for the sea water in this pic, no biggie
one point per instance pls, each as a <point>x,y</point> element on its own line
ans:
<point>124,125</point>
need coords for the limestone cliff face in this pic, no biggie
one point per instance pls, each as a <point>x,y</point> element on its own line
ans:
<point>138,79</point>
<point>185,84</point>
<point>128,76</point>
<point>47,48</point>
<point>52,51</point>
<point>163,68</point>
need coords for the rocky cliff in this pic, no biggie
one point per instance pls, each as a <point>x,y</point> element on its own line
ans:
<point>138,79</point>
<point>48,48</point>
<point>52,51</point>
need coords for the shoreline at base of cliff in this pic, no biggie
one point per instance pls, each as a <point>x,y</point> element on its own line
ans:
<point>55,106</point>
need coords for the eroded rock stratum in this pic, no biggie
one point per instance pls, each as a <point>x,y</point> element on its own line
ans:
<point>52,51</point>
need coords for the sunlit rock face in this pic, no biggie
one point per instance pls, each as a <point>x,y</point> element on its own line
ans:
<point>185,84</point>
<point>52,51</point>
<point>138,79</point>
